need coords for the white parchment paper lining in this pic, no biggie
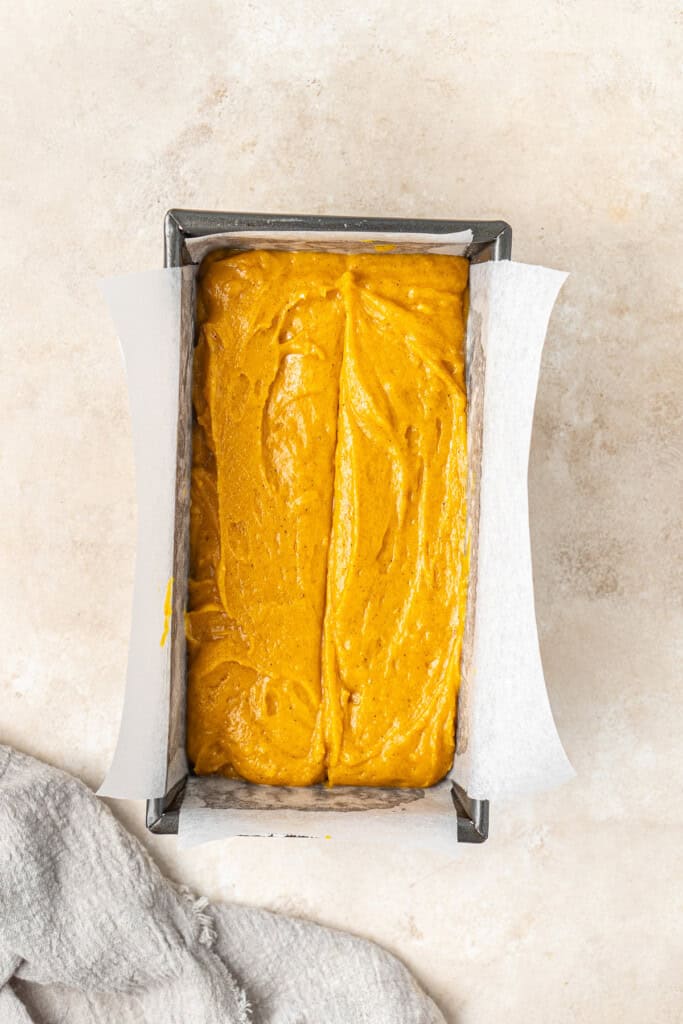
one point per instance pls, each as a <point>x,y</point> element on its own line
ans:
<point>507,743</point>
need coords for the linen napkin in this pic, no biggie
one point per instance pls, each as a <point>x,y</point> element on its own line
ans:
<point>90,932</point>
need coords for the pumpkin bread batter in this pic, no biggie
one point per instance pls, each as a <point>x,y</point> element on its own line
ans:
<point>328,558</point>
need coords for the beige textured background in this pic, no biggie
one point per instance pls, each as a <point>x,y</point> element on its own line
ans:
<point>561,118</point>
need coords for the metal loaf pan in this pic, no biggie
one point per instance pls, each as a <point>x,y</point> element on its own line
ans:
<point>491,240</point>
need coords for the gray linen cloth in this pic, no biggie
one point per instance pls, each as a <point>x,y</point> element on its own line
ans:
<point>91,932</point>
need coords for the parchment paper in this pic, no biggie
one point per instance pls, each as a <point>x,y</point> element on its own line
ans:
<point>454,244</point>
<point>145,309</point>
<point>507,744</point>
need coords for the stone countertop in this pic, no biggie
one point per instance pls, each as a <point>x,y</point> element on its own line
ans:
<point>560,118</point>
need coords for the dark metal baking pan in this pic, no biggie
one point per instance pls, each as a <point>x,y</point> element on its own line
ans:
<point>491,240</point>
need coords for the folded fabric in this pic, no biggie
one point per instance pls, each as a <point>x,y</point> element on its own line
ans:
<point>91,932</point>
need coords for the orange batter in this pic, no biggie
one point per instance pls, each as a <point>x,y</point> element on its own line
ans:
<point>328,562</point>
<point>266,385</point>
